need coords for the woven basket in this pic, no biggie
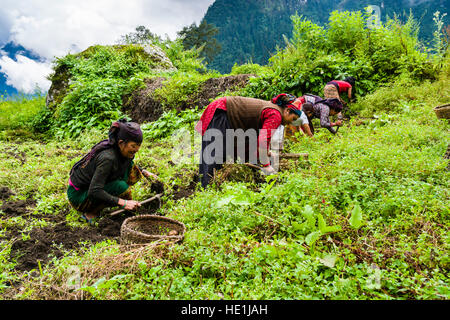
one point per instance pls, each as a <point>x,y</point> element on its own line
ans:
<point>147,228</point>
<point>443,112</point>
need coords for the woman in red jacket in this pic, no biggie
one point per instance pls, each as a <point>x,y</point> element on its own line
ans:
<point>335,88</point>
<point>256,120</point>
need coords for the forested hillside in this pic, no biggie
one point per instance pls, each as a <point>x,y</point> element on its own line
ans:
<point>251,30</point>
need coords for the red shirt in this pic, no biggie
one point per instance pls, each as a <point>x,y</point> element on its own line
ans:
<point>270,118</point>
<point>208,114</point>
<point>343,85</point>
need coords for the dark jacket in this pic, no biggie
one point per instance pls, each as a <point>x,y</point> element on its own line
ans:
<point>108,165</point>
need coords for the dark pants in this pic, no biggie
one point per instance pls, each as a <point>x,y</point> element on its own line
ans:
<point>206,168</point>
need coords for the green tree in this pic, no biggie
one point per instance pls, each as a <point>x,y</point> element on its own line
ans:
<point>201,37</point>
<point>142,35</point>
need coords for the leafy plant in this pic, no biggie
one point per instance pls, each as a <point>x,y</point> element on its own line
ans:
<point>18,112</point>
<point>356,217</point>
<point>179,88</point>
<point>169,122</point>
<point>102,285</point>
<point>90,104</point>
<point>316,54</point>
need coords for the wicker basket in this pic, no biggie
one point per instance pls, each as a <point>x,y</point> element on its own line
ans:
<point>147,228</point>
<point>443,112</point>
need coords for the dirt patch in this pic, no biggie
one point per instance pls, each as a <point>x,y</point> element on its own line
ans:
<point>182,190</point>
<point>110,226</point>
<point>5,193</point>
<point>157,187</point>
<point>141,106</point>
<point>19,155</point>
<point>45,243</point>
<point>17,208</point>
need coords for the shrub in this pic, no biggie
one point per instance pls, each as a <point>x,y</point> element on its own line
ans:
<point>248,68</point>
<point>169,122</point>
<point>90,104</point>
<point>179,88</point>
<point>315,55</point>
<point>102,76</point>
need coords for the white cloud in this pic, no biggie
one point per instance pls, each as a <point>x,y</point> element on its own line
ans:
<point>26,75</point>
<point>54,28</point>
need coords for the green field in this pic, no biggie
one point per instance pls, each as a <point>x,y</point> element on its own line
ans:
<point>365,217</point>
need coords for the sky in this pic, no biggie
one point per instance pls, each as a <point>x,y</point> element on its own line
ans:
<point>54,28</point>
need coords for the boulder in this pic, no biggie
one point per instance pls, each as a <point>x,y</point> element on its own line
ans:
<point>142,107</point>
<point>61,77</point>
<point>212,87</point>
<point>157,55</point>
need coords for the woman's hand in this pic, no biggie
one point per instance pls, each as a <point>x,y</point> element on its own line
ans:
<point>129,205</point>
<point>306,129</point>
<point>148,174</point>
<point>269,170</point>
<point>132,205</point>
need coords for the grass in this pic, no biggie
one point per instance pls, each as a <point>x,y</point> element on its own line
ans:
<point>366,218</point>
<point>16,114</point>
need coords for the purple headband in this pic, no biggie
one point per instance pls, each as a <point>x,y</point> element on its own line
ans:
<point>130,131</point>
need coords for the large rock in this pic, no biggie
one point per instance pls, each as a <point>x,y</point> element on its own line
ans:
<point>61,78</point>
<point>59,87</point>
<point>212,87</point>
<point>157,55</point>
<point>142,106</point>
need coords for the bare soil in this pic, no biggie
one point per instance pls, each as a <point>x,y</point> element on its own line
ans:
<point>141,106</point>
<point>40,245</point>
<point>5,193</point>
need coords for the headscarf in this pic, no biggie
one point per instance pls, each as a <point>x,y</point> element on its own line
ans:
<point>119,130</point>
<point>285,100</point>
<point>129,131</point>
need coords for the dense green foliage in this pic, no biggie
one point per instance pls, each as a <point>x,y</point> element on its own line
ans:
<point>170,122</point>
<point>202,36</point>
<point>17,115</point>
<point>317,54</point>
<point>101,77</point>
<point>251,30</point>
<point>366,217</point>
